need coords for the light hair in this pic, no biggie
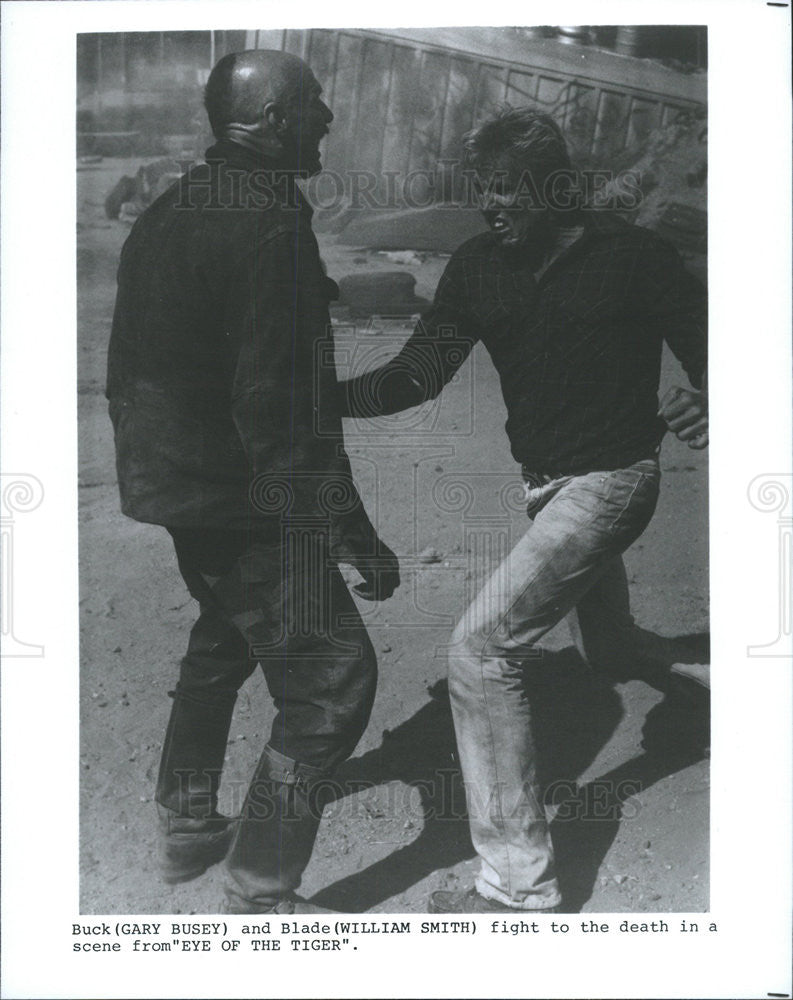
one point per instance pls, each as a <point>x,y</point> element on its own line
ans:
<point>518,140</point>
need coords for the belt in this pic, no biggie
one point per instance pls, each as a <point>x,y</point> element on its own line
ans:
<point>534,479</point>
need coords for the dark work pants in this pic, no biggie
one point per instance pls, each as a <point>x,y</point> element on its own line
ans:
<point>280,603</point>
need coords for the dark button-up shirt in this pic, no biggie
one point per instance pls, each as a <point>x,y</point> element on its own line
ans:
<point>218,359</point>
<point>578,350</point>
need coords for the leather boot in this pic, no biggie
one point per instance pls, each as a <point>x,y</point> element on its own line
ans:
<point>189,846</point>
<point>193,835</point>
<point>274,837</point>
<point>471,901</point>
<point>193,754</point>
<point>285,905</point>
<point>216,665</point>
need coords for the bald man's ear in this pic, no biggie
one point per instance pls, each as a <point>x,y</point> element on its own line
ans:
<point>274,117</point>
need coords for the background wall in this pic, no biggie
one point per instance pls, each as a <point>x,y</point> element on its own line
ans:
<point>147,83</point>
<point>404,97</point>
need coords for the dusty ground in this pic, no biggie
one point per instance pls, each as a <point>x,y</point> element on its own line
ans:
<point>633,837</point>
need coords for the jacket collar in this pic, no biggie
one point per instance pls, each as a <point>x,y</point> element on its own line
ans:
<point>229,154</point>
<point>237,155</point>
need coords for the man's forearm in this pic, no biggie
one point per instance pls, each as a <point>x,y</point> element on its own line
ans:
<point>417,374</point>
<point>381,392</point>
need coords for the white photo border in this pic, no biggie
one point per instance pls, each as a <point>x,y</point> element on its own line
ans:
<point>750,393</point>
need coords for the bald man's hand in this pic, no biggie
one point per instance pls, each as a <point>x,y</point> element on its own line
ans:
<point>380,575</point>
<point>686,414</point>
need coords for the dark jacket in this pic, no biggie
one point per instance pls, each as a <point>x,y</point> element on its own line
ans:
<point>221,380</point>
<point>578,350</point>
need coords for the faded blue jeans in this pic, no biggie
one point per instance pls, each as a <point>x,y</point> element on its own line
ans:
<point>567,564</point>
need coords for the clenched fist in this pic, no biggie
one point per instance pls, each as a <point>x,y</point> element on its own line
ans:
<point>686,414</point>
<point>380,575</point>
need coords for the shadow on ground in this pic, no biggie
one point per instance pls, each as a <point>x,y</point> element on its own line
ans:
<point>575,713</point>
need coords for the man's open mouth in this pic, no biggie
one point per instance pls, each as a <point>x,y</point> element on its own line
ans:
<point>504,231</point>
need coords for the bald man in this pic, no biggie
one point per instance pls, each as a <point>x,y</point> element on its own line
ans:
<point>228,433</point>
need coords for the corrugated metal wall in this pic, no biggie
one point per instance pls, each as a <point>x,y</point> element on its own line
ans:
<point>403,98</point>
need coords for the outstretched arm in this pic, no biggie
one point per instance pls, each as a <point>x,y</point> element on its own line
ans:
<point>440,343</point>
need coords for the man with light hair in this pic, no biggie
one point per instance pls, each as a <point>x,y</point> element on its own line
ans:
<point>573,307</point>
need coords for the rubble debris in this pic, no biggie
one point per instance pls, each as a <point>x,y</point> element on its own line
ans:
<point>673,170</point>
<point>670,169</point>
<point>406,257</point>
<point>132,195</point>
<point>439,227</point>
<point>380,293</point>
<point>685,226</point>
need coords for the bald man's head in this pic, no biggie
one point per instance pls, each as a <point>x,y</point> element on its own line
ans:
<point>272,95</point>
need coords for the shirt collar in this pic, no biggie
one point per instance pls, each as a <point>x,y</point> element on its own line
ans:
<point>595,225</point>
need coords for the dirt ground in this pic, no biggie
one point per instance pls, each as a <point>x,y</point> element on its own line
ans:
<point>631,827</point>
